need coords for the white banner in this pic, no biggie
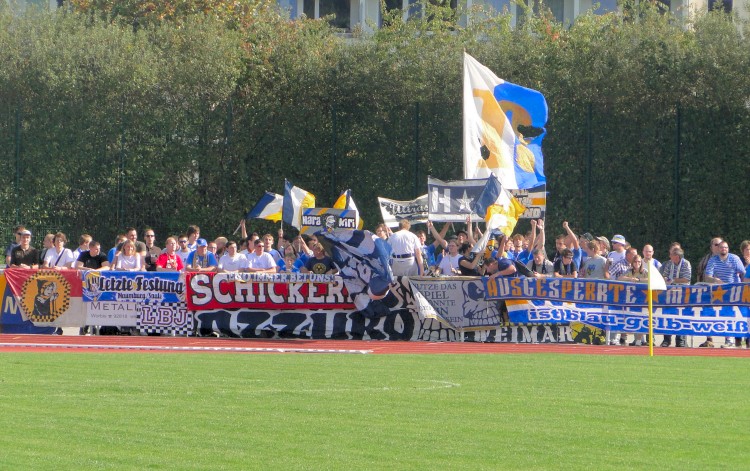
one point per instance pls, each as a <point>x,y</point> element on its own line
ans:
<point>414,211</point>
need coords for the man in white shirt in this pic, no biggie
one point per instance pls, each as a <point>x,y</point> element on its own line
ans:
<point>407,251</point>
<point>260,261</point>
<point>232,261</point>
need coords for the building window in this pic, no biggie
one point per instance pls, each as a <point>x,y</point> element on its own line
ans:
<point>725,5</point>
<point>341,11</point>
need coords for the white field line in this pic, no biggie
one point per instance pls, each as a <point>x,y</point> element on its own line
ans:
<point>184,349</point>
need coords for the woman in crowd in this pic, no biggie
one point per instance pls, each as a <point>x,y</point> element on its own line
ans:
<point>637,273</point>
<point>468,264</point>
<point>128,259</point>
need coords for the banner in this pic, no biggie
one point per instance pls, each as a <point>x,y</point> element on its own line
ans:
<point>620,306</point>
<point>112,313</point>
<point>12,320</point>
<point>165,319</point>
<point>415,211</point>
<point>459,301</point>
<point>452,201</point>
<point>47,297</point>
<point>126,286</point>
<point>617,293</point>
<point>208,291</point>
<point>698,320</point>
<point>328,220</point>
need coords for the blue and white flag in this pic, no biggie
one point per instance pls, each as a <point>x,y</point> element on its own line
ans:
<point>269,207</point>
<point>493,111</point>
<point>363,260</point>
<point>295,200</point>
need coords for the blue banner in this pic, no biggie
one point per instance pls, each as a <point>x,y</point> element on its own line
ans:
<point>729,321</point>
<point>139,287</point>
<point>616,293</point>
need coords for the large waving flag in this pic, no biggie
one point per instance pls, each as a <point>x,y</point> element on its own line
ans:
<point>493,111</point>
<point>363,260</point>
<point>500,210</point>
<point>295,200</point>
<point>269,207</point>
<point>345,201</point>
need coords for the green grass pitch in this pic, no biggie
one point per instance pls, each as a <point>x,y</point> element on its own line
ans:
<point>140,411</point>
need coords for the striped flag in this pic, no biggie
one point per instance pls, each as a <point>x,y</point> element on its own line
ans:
<point>269,207</point>
<point>295,201</point>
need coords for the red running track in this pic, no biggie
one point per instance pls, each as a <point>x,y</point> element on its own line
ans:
<point>66,343</point>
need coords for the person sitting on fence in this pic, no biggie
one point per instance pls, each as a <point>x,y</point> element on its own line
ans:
<point>59,257</point>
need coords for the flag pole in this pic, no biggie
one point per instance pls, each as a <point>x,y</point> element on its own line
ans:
<point>650,296</point>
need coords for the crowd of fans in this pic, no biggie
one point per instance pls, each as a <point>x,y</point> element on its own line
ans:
<point>187,252</point>
<point>575,256</point>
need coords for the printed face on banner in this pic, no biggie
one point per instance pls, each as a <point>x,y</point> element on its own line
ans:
<point>45,296</point>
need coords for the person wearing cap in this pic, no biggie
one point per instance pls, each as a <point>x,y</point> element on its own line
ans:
<point>201,259</point>
<point>616,259</point>
<point>24,255</point>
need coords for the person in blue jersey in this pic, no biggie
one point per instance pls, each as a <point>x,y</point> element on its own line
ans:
<point>200,259</point>
<point>724,267</point>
